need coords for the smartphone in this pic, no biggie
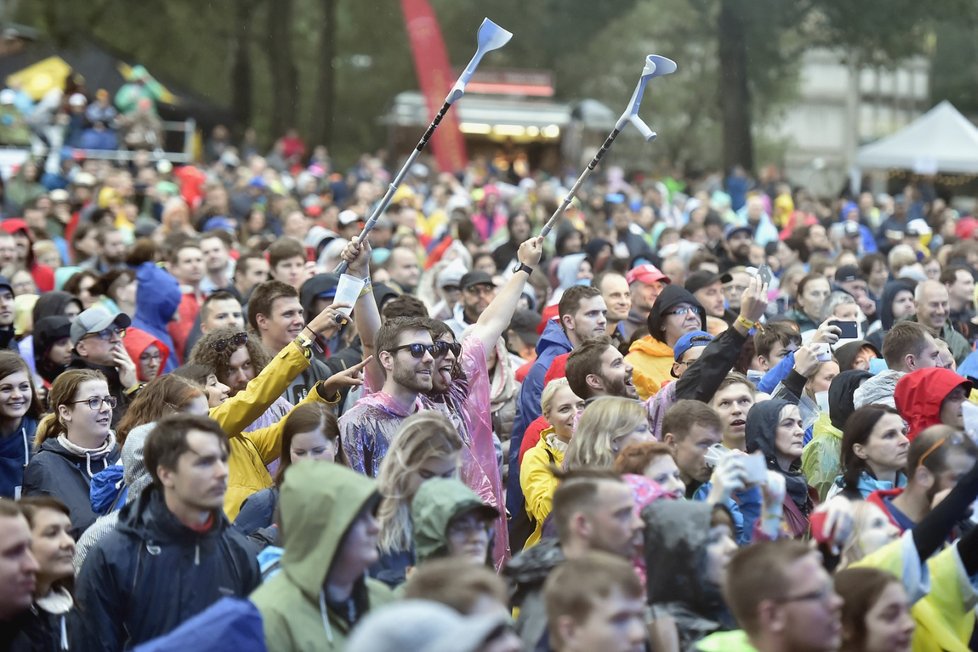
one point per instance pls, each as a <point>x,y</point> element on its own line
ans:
<point>764,273</point>
<point>850,329</point>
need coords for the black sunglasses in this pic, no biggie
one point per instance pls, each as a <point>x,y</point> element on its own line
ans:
<point>236,340</point>
<point>417,350</point>
<point>442,349</point>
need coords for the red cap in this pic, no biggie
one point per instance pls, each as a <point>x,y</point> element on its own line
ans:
<point>647,274</point>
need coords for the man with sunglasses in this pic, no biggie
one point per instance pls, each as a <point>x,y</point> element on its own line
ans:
<point>478,291</point>
<point>460,384</point>
<point>96,337</point>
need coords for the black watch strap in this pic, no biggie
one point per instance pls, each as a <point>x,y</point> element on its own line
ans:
<point>523,268</point>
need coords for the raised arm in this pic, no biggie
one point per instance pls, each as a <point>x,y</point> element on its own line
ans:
<point>366,315</point>
<point>496,317</point>
<point>243,408</point>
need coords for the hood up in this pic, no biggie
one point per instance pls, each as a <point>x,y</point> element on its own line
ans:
<point>919,395</point>
<point>319,502</point>
<point>676,535</point>
<point>842,391</point>
<point>670,297</point>
<point>137,341</point>
<point>437,502</point>
<point>890,291</point>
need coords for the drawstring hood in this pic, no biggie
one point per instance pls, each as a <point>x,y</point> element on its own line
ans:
<point>325,615</point>
<point>89,454</point>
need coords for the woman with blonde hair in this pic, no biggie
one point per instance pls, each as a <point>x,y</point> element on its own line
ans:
<point>561,408</point>
<point>607,425</point>
<point>426,446</point>
<point>73,443</point>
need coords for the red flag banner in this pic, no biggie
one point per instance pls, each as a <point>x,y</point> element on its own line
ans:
<point>435,78</point>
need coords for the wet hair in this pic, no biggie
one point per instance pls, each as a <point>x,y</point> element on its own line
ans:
<point>603,421</point>
<point>422,437</point>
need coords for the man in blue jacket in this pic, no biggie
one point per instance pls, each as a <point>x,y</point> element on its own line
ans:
<point>583,316</point>
<point>173,552</point>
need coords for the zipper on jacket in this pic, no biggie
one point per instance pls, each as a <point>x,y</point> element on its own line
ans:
<point>196,554</point>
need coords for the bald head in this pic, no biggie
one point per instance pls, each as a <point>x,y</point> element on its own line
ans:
<point>931,298</point>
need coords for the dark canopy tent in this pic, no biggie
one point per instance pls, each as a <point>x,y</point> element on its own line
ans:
<point>100,67</point>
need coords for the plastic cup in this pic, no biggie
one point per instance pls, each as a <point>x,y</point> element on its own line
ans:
<point>348,291</point>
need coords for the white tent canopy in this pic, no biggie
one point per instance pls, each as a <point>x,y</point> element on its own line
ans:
<point>941,140</point>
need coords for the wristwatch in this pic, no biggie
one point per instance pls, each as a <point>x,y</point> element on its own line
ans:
<point>523,268</point>
<point>305,343</point>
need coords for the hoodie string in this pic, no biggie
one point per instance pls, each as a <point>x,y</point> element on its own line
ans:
<point>325,616</point>
<point>64,633</point>
<point>27,449</point>
<point>88,464</point>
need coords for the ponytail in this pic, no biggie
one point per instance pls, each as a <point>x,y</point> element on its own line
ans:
<point>50,427</point>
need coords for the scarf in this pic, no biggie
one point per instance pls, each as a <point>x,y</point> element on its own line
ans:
<point>503,387</point>
<point>89,453</point>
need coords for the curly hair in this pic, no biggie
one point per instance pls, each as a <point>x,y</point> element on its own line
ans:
<point>205,353</point>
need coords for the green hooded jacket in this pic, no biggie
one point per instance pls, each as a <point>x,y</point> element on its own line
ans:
<point>436,503</point>
<point>319,502</point>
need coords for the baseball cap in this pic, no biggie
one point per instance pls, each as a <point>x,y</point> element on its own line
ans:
<point>690,340</point>
<point>452,274</point>
<point>847,273</point>
<point>348,217</point>
<point>647,273</point>
<point>5,283</point>
<point>475,278</point>
<point>734,229</point>
<point>96,320</point>
<point>701,279</point>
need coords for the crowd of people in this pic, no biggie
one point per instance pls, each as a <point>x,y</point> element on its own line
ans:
<point>706,414</point>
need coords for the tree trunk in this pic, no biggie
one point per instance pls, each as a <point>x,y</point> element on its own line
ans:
<point>241,82</point>
<point>281,64</point>
<point>321,131</point>
<point>734,99</point>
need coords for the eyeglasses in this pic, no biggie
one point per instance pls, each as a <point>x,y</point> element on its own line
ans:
<point>682,310</point>
<point>442,349</point>
<point>107,334</point>
<point>418,350</point>
<point>96,402</point>
<point>236,340</point>
<point>147,357</point>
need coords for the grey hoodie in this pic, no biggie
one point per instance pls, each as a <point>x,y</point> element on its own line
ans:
<point>878,390</point>
<point>134,476</point>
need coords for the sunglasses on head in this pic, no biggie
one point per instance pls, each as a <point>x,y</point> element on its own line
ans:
<point>236,340</point>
